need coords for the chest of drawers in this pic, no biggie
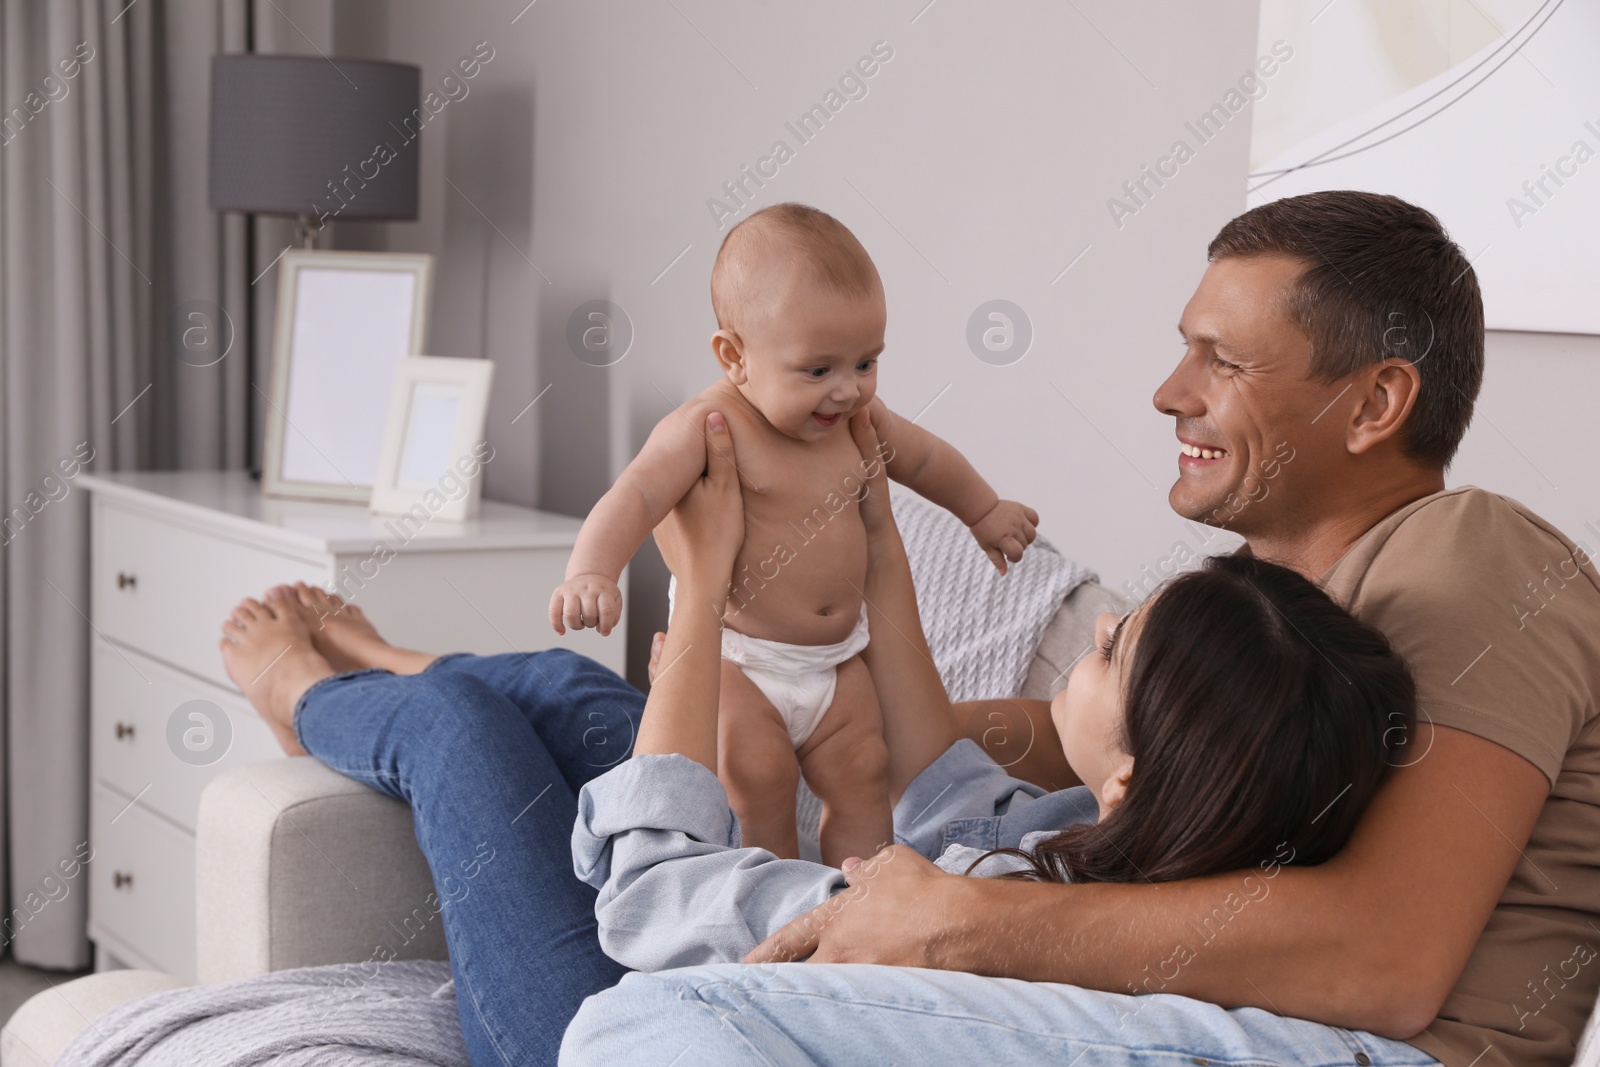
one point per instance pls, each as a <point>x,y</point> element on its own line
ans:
<point>171,554</point>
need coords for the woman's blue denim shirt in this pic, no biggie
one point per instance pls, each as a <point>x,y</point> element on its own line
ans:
<point>656,837</point>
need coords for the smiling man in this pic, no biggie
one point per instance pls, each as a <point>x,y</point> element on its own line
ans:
<point>1334,348</point>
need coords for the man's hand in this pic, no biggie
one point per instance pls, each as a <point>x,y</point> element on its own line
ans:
<point>586,601</point>
<point>890,915</point>
<point>1005,531</point>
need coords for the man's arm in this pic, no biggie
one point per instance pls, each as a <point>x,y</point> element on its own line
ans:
<point>1374,939</point>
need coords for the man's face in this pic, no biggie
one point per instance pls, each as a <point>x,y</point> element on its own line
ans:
<point>1247,415</point>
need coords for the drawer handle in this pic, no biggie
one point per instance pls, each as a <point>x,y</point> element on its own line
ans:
<point>121,878</point>
<point>126,580</point>
<point>124,729</point>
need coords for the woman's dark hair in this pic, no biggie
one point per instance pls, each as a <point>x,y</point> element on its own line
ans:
<point>1259,714</point>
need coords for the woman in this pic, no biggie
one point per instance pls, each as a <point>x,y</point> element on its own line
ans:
<point>1186,771</point>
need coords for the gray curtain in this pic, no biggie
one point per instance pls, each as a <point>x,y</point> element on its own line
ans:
<point>117,286</point>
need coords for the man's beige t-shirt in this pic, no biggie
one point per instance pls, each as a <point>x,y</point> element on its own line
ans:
<point>1498,615</point>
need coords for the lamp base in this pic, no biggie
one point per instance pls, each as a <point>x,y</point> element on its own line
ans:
<point>306,229</point>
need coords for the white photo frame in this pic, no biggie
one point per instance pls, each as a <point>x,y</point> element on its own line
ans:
<point>433,444</point>
<point>345,321</point>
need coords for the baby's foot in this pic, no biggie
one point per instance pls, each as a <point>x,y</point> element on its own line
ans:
<point>342,632</point>
<point>267,650</point>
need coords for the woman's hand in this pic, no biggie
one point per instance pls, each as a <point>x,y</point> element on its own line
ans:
<point>700,537</point>
<point>874,499</point>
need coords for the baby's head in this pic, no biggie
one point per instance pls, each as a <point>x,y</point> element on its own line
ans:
<point>1238,717</point>
<point>800,319</point>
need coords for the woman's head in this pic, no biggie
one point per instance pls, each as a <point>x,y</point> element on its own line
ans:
<point>1237,710</point>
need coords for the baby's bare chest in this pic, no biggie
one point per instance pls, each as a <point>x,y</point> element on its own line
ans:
<point>784,482</point>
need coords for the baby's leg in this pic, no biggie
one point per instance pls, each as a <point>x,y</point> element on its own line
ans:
<point>756,764</point>
<point>845,762</point>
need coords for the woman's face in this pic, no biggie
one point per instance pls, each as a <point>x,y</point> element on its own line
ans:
<point>1088,712</point>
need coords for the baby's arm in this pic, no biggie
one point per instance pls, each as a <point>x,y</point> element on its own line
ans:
<point>672,458</point>
<point>930,465</point>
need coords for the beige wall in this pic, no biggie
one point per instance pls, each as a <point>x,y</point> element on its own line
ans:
<point>977,166</point>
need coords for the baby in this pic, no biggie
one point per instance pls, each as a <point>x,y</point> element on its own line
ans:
<point>800,316</point>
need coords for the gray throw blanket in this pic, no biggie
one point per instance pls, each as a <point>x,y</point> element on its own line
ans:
<point>345,1015</point>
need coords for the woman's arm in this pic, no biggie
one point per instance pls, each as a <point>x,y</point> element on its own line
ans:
<point>918,722</point>
<point>1374,939</point>
<point>655,835</point>
<point>699,540</point>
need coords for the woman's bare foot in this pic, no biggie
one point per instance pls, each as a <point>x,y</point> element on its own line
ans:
<point>267,650</point>
<point>343,634</point>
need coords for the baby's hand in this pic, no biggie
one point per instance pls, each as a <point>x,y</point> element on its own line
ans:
<point>1005,532</point>
<point>586,601</point>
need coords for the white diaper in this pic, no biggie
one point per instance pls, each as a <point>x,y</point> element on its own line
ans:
<point>799,680</point>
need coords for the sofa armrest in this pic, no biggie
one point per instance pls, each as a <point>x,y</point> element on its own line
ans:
<point>1068,636</point>
<point>41,1029</point>
<point>297,865</point>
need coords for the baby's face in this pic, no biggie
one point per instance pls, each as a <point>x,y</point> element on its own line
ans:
<point>811,358</point>
<point>1088,713</point>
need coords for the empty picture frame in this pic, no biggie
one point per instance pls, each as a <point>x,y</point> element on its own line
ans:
<point>433,445</point>
<point>345,321</point>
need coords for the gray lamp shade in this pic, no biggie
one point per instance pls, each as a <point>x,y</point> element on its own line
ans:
<point>293,135</point>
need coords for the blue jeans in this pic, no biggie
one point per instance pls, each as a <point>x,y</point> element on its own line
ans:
<point>794,1014</point>
<point>490,752</point>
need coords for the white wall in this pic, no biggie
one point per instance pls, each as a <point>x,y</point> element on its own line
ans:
<point>1534,434</point>
<point>978,166</point>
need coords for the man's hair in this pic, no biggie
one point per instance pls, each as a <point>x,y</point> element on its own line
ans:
<point>1382,280</point>
<point>796,233</point>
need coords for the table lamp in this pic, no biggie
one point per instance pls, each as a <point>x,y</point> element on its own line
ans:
<point>314,138</point>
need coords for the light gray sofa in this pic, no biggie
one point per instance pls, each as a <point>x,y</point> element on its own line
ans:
<point>297,865</point>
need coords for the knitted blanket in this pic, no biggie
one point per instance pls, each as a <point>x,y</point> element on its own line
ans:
<point>395,1014</point>
<point>983,628</point>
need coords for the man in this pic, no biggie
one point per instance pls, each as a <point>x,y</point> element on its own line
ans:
<point>1334,349</point>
